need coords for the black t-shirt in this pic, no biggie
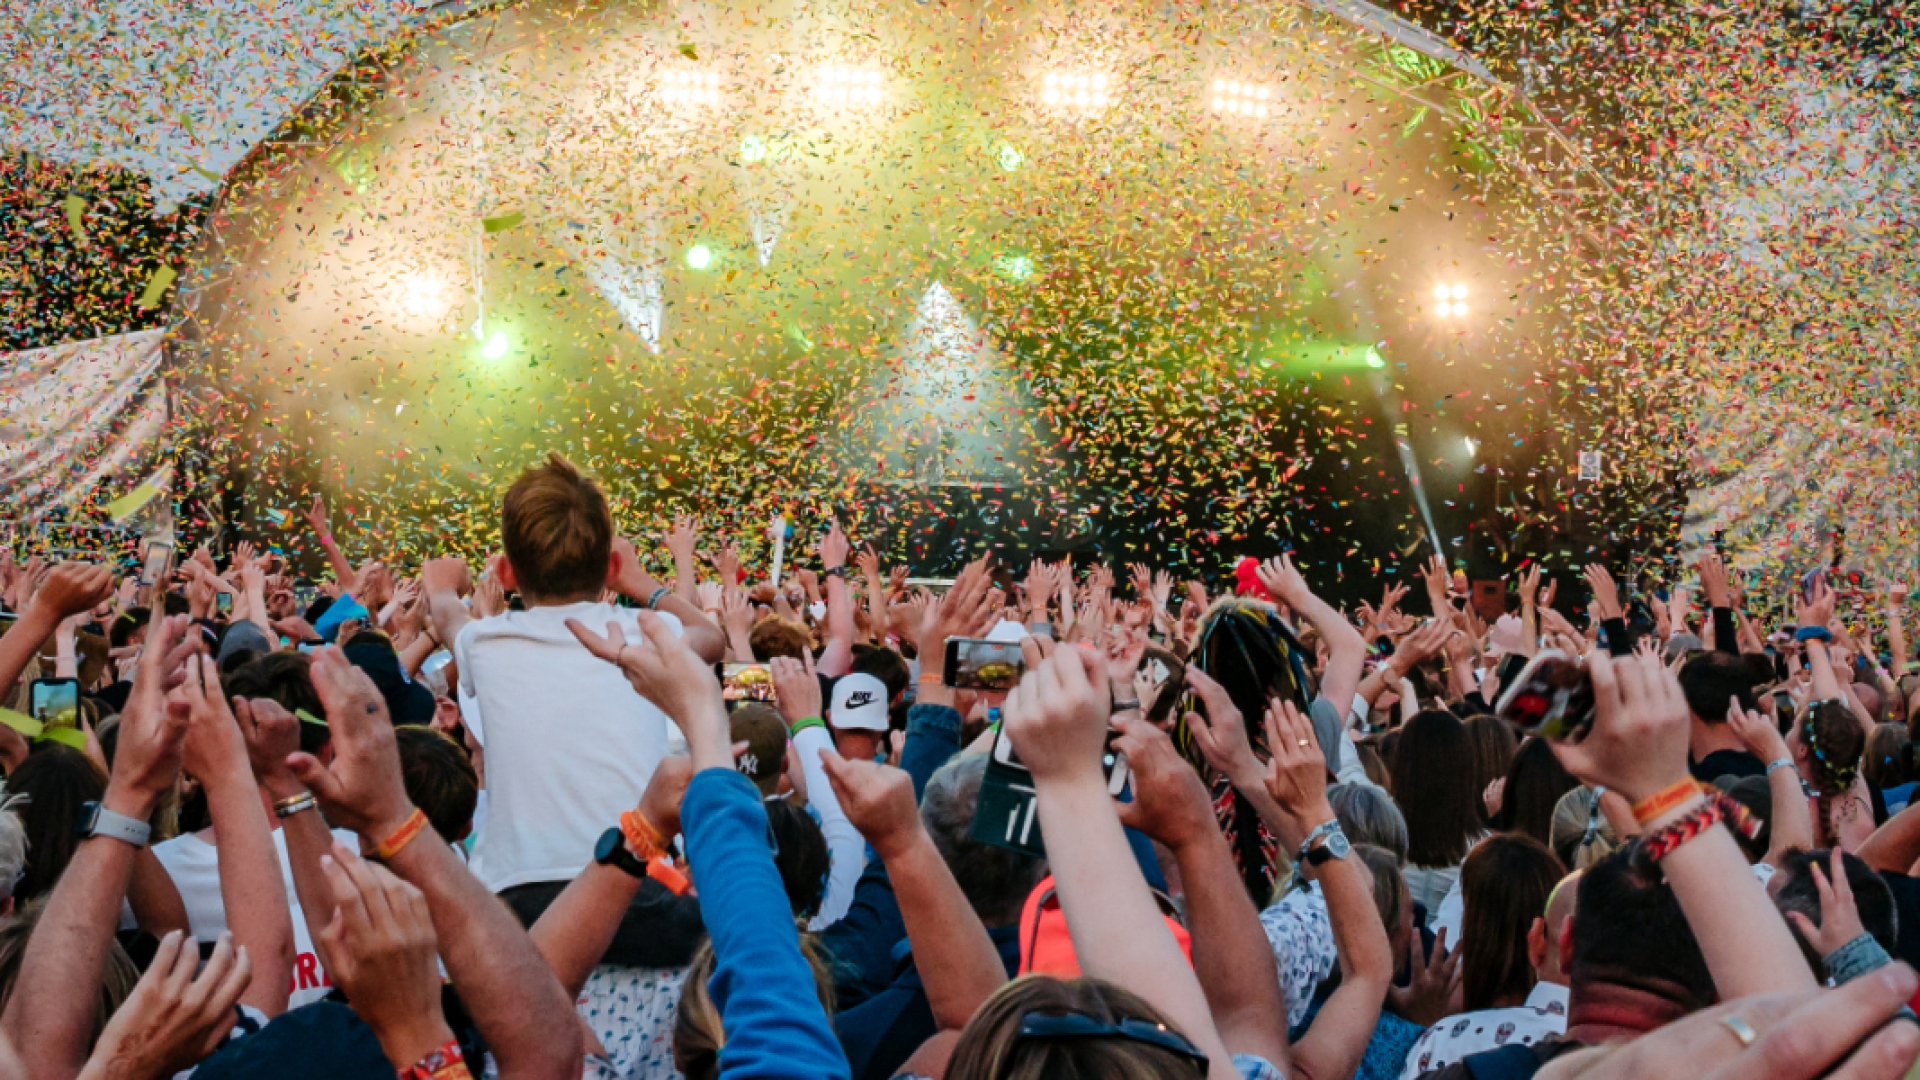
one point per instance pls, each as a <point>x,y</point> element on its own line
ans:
<point>1727,763</point>
<point>1906,910</point>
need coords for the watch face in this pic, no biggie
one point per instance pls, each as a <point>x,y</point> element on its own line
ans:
<point>1338,846</point>
<point>609,841</point>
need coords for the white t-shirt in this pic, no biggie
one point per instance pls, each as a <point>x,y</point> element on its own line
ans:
<point>194,866</point>
<point>569,744</point>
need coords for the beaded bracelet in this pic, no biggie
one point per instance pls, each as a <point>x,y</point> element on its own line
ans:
<point>1656,846</point>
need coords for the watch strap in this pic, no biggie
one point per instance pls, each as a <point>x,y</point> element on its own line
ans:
<point>97,820</point>
<point>1322,831</point>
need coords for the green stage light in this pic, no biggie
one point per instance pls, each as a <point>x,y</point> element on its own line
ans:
<point>496,346</point>
<point>1009,157</point>
<point>699,256</point>
<point>753,148</point>
<point>1374,359</point>
<point>1013,267</point>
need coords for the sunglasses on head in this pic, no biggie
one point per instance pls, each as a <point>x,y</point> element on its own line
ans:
<point>1035,1025</point>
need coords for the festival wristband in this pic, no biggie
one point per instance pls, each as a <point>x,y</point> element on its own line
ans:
<point>1655,846</point>
<point>931,678</point>
<point>806,722</point>
<point>1813,633</point>
<point>400,837</point>
<point>669,875</point>
<point>444,1063</point>
<point>659,594</point>
<point>643,839</point>
<point>1666,801</point>
<point>1779,763</point>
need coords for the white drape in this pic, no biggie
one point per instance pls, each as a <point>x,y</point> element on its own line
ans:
<point>73,415</point>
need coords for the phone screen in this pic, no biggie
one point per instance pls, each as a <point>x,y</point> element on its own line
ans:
<point>56,702</point>
<point>158,557</point>
<point>223,603</point>
<point>1552,698</point>
<point>977,664</point>
<point>746,682</point>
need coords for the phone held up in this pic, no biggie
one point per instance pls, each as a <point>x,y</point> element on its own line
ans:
<point>56,702</point>
<point>1008,812</point>
<point>1552,698</point>
<point>978,664</point>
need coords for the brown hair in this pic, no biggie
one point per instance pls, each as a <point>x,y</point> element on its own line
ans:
<point>1835,744</point>
<point>991,1048</point>
<point>774,636</point>
<point>698,1035</point>
<point>558,533</point>
<point>1494,745</point>
<point>439,778</point>
<point>1504,886</point>
<point>116,979</point>
<point>1389,887</point>
<point>1433,781</point>
<point>57,781</point>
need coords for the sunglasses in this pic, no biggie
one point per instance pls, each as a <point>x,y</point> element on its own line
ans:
<point>1036,1025</point>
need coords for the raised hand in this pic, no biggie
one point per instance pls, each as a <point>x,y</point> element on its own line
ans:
<point>878,800</point>
<point>380,949</point>
<point>1284,582</point>
<point>361,788</point>
<point>660,803</point>
<point>447,575</point>
<point>833,548</point>
<point>796,688</point>
<point>1057,716</point>
<point>1169,802</point>
<point>681,538</point>
<point>1530,585</point>
<point>727,563</point>
<point>1297,774</point>
<point>1638,743</point>
<point>174,1018</point>
<point>489,596</point>
<point>1162,590</point>
<point>1713,580</point>
<point>272,735</point>
<point>1839,915</point>
<point>1434,992</point>
<point>1438,582</point>
<point>213,744</point>
<point>1606,595</point>
<point>316,515</point>
<point>868,560</point>
<point>1221,733</point>
<point>147,759</point>
<point>70,588</point>
<point>1426,641</point>
<point>1818,610</point>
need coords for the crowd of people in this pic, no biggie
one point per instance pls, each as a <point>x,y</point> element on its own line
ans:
<point>539,820</point>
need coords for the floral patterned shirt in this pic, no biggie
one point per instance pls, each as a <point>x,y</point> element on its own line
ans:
<point>1302,939</point>
<point>631,1010</point>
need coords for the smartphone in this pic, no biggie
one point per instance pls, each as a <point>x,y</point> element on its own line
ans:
<point>159,559</point>
<point>746,682</point>
<point>56,702</point>
<point>1113,763</point>
<point>1810,582</point>
<point>223,603</point>
<point>1552,698</point>
<point>978,664</point>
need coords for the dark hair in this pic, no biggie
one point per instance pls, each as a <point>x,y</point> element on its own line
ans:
<point>802,859</point>
<point>1756,794</point>
<point>285,678</point>
<point>1711,681</point>
<point>885,665</point>
<point>440,779</point>
<point>1535,783</point>
<point>1886,764</point>
<point>557,532</point>
<point>1798,892</point>
<point>1759,668</point>
<point>1504,886</point>
<point>1835,744</point>
<point>1628,928</point>
<point>1433,777</point>
<point>57,780</point>
<point>121,633</point>
<point>996,881</point>
<point>1493,745</point>
<point>990,1048</point>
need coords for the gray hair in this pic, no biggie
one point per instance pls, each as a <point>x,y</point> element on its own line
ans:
<point>13,845</point>
<point>1368,815</point>
<point>996,881</point>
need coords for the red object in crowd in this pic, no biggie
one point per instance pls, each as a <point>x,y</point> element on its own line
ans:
<point>1046,948</point>
<point>1246,573</point>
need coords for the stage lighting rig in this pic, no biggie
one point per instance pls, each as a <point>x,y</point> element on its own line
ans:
<point>1077,90</point>
<point>1450,301</point>
<point>1239,97</point>
<point>683,88</point>
<point>848,86</point>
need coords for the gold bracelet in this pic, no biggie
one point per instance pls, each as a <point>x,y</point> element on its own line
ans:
<point>294,804</point>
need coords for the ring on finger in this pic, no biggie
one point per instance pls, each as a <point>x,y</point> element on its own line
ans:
<point>1740,1028</point>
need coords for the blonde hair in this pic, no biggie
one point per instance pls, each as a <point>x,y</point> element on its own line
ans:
<point>991,1048</point>
<point>699,1036</point>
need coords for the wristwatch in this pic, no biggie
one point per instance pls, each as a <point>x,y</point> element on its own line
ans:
<point>1336,847</point>
<point>97,820</point>
<point>1329,828</point>
<point>612,851</point>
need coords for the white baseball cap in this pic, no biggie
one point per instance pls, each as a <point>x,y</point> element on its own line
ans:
<point>859,703</point>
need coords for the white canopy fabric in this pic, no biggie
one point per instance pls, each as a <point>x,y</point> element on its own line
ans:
<point>179,90</point>
<point>75,415</point>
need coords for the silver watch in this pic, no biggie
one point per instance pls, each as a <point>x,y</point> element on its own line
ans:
<point>97,820</point>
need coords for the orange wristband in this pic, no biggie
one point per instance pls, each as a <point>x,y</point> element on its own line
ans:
<point>402,836</point>
<point>1664,801</point>
<point>642,837</point>
<point>669,875</point>
<point>928,678</point>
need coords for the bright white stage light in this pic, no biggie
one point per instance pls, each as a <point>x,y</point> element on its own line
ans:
<point>1452,301</point>
<point>1459,292</point>
<point>1239,97</point>
<point>686,88</point>
<point>849,86</point>
<point>426,295</point>
<point>1078,90</point>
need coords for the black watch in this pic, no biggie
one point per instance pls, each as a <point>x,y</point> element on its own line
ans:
<point>1335,846</point>
<point>835,571</point>
<point>612,851</point>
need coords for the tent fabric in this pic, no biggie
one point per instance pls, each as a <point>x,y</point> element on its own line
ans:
<point>178,91</point>
<point>76,416</point>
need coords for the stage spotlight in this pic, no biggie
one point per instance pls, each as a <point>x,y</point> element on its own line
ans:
<point>844,86</point>
<point>496,346</point>
<point>426,295</point>
<point>1441,292</point>
<point>1473,447</point>
<point>1452,301</point>
<point>690,89</point>
<point>699,256</point>
<point>753,149</point>
<point>1459,292</point>
<point>1374,359</point>
<point>1009,157</point>
<point>1080,90</point>
<point>1014,267</point>
<point>1239,97</point>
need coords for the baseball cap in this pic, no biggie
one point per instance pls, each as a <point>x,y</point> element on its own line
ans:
<point>243,635</point>
<point>859,703</point>
<point>1006,631</point>
<point>764,731</point>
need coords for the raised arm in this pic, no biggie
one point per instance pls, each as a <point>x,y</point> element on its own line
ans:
<point>837,659</point>
<point>251,889</point>
<point>1057,719</point>
<point>1297,780</point>
<point>798,692</point>
<point>1231,957</point>
<point>1638,747</point>
<point>1791,824</point>
<point>52,1025</point>
<point>956,959</point>
<point>68,590</point>
<point>445,581</point>
<point>316,516</point>
<point>962,612</point>
<point>632,581</point>
<point>681,540</point>
<point>272,735</point>
<point>514,999</point>
<point>1346,649</point>
<point>1814,614</point>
